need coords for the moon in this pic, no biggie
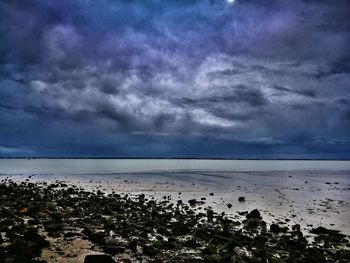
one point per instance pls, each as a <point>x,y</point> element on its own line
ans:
<point>231,1</point>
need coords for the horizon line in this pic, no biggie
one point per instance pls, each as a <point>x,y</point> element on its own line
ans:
<point>173,158</point>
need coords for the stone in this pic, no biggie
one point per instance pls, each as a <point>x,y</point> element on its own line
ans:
<point>192,202</point>
<point>254,214</point>
<point>180,228</point>
<point>149,250</point>
<point>210,215</point>
<point>53,226</point>
<point>113,250</point>
<point>71,234</point>
<point>296,227</point>
<point>274,228</point>
<point>322,230</point>
<point>98,259</point>
<point>241,199</point>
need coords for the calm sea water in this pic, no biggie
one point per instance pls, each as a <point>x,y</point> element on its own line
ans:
<point>91,166</point>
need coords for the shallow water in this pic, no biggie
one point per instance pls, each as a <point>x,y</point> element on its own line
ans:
<point>76,166</point>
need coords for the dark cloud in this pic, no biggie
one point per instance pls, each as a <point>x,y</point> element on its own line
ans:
<point>305,92</point>
<point>336,68</point>
<point>237,94</point>
<point>175,78</point>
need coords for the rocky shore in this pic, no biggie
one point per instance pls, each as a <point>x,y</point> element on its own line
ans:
<point>42,222</point>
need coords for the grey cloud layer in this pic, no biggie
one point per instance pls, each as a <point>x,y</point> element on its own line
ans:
<point>256,75</point>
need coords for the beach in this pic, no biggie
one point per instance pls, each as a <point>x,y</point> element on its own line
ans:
<point>304,194</point>
<point>174,131</point>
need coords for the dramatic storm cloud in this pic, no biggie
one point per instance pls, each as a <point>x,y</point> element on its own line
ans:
<point>200,78</point>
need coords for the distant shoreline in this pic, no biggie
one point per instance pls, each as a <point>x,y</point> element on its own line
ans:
<point>170,158</point>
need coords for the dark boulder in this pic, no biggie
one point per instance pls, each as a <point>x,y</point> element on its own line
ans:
<point>98,259</point>
<point>241,199</point>
<point>53,226</point>
<point>149,250</point>
<point>274,228</point>
<point>254,214</point>
<point>113,250</point>
<point>193,202</point>
<point>210,215</point>
<point>181,228</point>
<point>322,230</point>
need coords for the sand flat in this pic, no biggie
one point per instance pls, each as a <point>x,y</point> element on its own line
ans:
<point>307,197</point>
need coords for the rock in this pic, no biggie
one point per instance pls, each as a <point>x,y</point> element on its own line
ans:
<point>260,241</point>
<point>322,230</point>
<point>72,255</point>
<point>7,221</point>
<point>21,250</point>
<point>345,241</point>
<point>180,228</point>
<point>108,210</point>
<point>242,251</point>
<point>254,214</point>
<point>253,222</point>
<point>191,243</point>
<point>210,215</point>
<point>344,254</point>
<point>210,250</point>
<point>314,255</point>
<point>132,245</point>
<point>32,222</point>
<point>243,213</point>
<point>98,259</point>
<point>274,228</point>
<point>260,253</point>
<point>213,259</point>
<point>149,250</point>
<point>229,205</point>
<point>111,241</point>
<point>53,226</point>
<point>193,202</point>
<point>70,190</point>
<point>170,244</point>
<point>24,210</point>
<point>94,236</point>
<point>241,199</point>
<point>113,250</point>
<point>327,235</point>
<point>71,234</point>
<point>31,234</point>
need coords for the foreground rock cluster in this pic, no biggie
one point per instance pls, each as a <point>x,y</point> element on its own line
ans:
<point>136,228</point>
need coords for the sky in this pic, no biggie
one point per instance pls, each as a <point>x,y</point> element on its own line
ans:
<point>176,78</point>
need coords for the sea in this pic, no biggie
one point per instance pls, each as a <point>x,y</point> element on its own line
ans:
<point>99,166</point>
